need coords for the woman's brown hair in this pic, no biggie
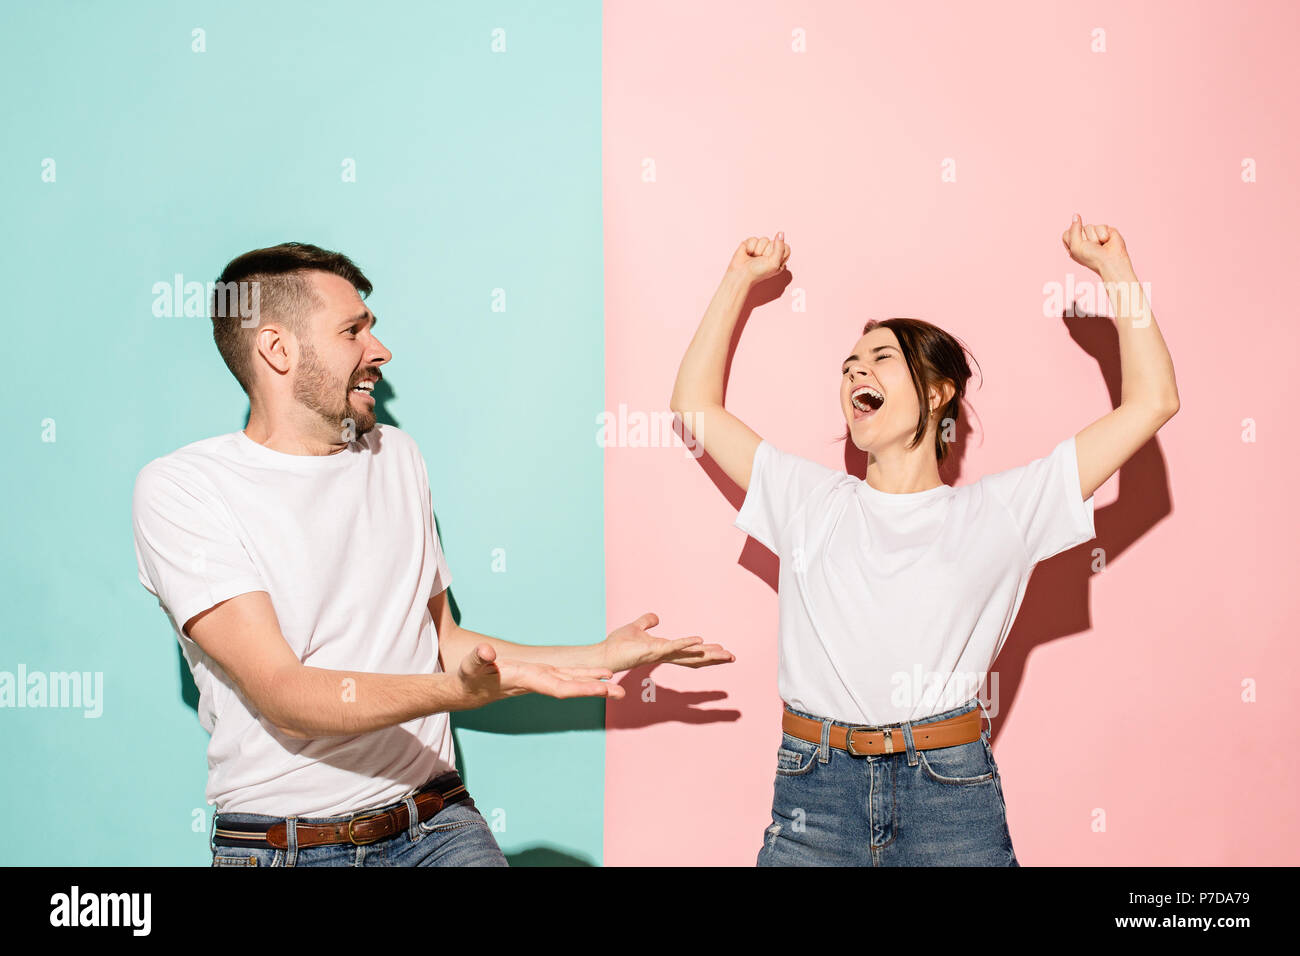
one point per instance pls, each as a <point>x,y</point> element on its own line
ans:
<point>933,357</point>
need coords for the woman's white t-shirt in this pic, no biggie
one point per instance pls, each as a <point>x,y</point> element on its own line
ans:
<point>893,607</point>
<point>346,547</point>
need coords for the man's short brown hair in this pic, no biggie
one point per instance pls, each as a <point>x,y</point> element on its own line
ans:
<point>284,295</point>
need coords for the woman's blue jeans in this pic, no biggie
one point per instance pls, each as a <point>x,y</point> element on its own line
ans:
<point>457,835</point>
<point>940,807</point>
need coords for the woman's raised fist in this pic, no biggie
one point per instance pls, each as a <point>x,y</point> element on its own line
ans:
<point>757,259</point>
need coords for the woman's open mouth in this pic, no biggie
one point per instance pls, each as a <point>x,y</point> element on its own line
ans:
<point>866,402</point>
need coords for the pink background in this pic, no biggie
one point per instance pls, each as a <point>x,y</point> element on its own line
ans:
<point>1119,691</point>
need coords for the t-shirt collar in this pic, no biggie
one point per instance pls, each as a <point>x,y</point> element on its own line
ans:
<point>282,459</point>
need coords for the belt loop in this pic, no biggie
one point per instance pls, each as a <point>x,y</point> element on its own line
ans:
<point>291,835</point>
<point>824,749</point>
<point>911,747</point>
<point>413,819</point>
<point>984,733</point>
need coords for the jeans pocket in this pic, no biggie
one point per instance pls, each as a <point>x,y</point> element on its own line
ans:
<point>796,756</point>
<point>997,778</point>
<point>247,856</point>
<point>463,813</point>
<point>432,826</point>
<point>959,765</point>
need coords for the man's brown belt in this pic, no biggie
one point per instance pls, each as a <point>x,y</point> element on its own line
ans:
<point>962,729</point>
<point>358,830</point>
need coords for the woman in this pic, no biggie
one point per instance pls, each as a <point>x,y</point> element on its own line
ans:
<point>898,591</point>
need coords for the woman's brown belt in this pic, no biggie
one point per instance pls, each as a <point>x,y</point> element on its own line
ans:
<point>962,729</point>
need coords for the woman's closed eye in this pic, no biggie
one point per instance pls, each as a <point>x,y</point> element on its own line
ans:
<point>879,358</point>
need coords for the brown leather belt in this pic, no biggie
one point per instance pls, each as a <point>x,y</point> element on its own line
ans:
<point>962,729</point>
<point>358,829</point>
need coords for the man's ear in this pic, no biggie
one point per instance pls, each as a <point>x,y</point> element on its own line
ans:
<point>273,345</point>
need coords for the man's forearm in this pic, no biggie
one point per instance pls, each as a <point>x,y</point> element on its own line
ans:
<point>453,646</point>
<point>315,702</point>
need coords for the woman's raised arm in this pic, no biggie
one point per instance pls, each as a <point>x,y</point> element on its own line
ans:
<point>1148,392</point>
<point>697,393</point>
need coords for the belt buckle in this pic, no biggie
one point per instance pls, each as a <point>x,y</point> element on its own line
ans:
<point>848,739</point>
<point>368,816</point>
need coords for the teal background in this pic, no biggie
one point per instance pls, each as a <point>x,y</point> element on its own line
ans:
<point>475,171</point>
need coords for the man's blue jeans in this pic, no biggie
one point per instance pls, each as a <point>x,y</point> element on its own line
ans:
<point>940,807</point>
<point>457,835</point>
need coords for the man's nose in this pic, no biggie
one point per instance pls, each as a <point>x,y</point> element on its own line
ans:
<point>379,354</point>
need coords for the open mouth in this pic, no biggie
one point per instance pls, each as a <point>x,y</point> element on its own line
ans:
<point>866,402</point>
<point>366,388</point>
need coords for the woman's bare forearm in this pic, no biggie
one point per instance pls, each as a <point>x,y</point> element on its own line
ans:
<point>697,393</point>
<point>699,384</point>
<point>1146,368</point>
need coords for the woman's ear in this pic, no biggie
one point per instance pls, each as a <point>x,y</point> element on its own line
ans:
<point>941,395</point>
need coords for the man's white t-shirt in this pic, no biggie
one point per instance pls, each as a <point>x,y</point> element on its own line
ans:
<point>346,547</point>
<point>893,607</point>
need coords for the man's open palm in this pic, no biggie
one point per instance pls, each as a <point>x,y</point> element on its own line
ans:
<point>632,646</point>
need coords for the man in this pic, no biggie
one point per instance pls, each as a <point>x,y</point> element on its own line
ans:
<point>299,563</point>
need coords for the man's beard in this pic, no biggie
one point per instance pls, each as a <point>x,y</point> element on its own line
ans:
<point>315,388</point>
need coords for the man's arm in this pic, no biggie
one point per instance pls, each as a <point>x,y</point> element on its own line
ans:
<point>454,642</point>
<point>243,636</point>
<point>627,647</point>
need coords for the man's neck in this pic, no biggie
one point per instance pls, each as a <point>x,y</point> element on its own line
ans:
<point>291,440</point>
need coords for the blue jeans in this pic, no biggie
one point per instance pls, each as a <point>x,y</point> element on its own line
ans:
<point>457,835</point>
<point>940,807</point>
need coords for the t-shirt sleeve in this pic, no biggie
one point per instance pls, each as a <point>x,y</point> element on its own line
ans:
<point>1045,502</point>
<point>442,574</point>
<point>187,551</point>
<point>779,484</point>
